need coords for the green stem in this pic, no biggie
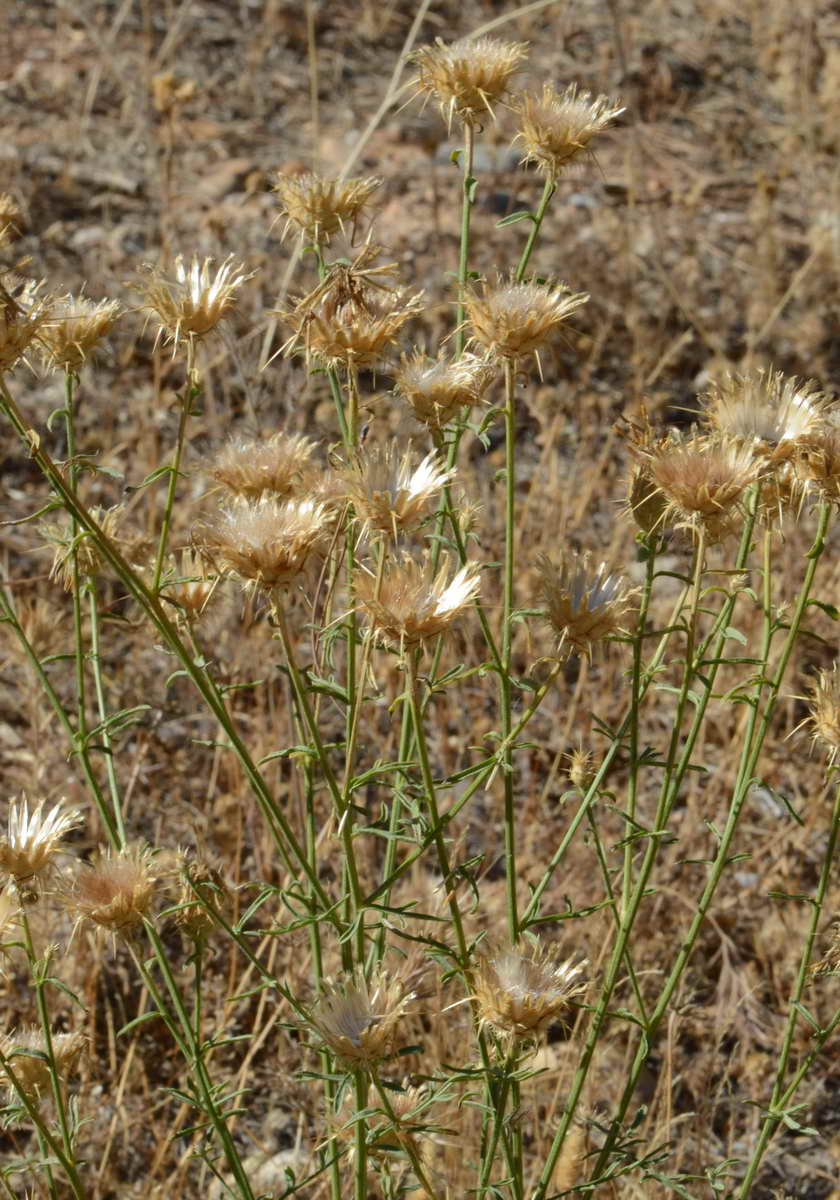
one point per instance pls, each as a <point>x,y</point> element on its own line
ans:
<point>505,683</point>
<point>44,1135</point>
<point>467,201</point>
<point>190,392</point>
<point>96,669</point>
<point>360,1136</point>
<point>406,1142</point>
<point>73,475</point>
<point>536,226</point>
<point>499,1105</point>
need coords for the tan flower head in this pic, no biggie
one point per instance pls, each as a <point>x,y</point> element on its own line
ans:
<point>275,466</point>
<point>26,1053</point>
<point>195,300</point>
<point>33,840</point>
<point>59,536</point>
<point>116,891</point>
<point>76,326</point>
<point>523,989</point>
<point>11,219</point>
<point>582,769</point>
<point>391,491</point>
<point>24,316</point>
<point>645,501</point>
<point>817,463</point>
<point>267,543</point>
<point>583,605</point>
<point>468,77</point>
<point>438,389</point>
<point>512,320</point>
<point>192,588</point>
<point>412,605</point>
<point>356,330</point>
<point>203,888</point>
<point>825,711</point>
<point>768,409</point>
<point>556,127</point>
<point>321,207</point>
<point>702,478</point>
<point>359,1020</point>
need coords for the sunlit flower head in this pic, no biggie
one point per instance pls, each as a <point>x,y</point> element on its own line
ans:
<point>24,317</point>
<point>191,588</point>
<point>437,389</point>
<point>468,77</point>
<point>410,604</point>
<point>26,1053</point>
<point>33,839</point>
<point>390,490</point>
<point>354,330</point>
<point>556,127</point>
<point>521,990</point>
<point>321,207</point>
<point>512,320</point>
<point>768,409</point>
<point>359,1020</point>
<point>194,299</point>
<point>267,543</point>
<point>116,891</point>
<point>76,327</point>
<point>583,604</point>
<point>825,711</point>
<point>276,466</point>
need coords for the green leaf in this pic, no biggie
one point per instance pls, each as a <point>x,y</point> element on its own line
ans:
<point>514,218</point>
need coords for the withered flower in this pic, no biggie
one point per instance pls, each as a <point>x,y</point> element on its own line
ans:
<point>468,77</point>
<point>825,711</point>
<point>193,302</point>
<point>411,605</point>
<point>276,466</point>
<point>512,320</point>
<point>203,888</point>
<point>11,219</point>
<point>89,562</point>
<point>556,127</point>
<point>24,316</point>
<point>116,891</point>
<point>192,589</point>
<point>354,329</point>
<point>26,1053</point>
<point>817,463</point>
<point>521,990</point>
<point>267,543</point>
<point>359,1020</point>
<point>76,327</point>
<point>584,605</point>
<point>33,839</point>
<point>391,491</point>
<point>320,207</point>
<point>772,411</point>
<point>438,389</point>
<point>645,501</point>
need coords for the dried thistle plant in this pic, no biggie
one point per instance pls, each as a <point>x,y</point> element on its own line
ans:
<point>32,841</point>
<point>80,548</point>
<point>77,325</point>
<point>192,589</point>
<point>390,491</point>
<point>277,466</point>
<point>267,543</point>
<point>437,390</point>
<point>521,990</point>
<point>825,711</point>
<point>355,329</point>
<point>555,127</point>
<point>468,77</point>
<point>817,463</point>
<point>584,605</point>
<point>116,891</point>
<point>767,408</point>
<point>24,317</point>
<point>26,1052</point>
<point>410,604</point>
<point>511,320</point>
<point>359,1020</point>
<point>192,301</point>
<point>321,207</point>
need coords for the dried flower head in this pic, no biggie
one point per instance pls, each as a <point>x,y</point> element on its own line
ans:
<point>411,605</point>
<point>702,478</point>
<point>33,839</point>
<point>438,389</point>
<point>512,320</point>
<point>276,466</point>
<point>65,546</point>
<point>391,491</point>
<point>42,625</point>
<point>825,711</point>
<point>469,76</point>
<point>24,316</point>
<point>647,505</point>
<point>583,605</point>
<point>26,1052</point>
<point>203,889</point>
<point>768,409</point>
<point>581,769</point>
<point>523,989</point>
<point>358,1020</point>
<point>321,207</point>
<point>556,127</point>
<point>353,329</point>
<point>9,916</point>
<point>817,463</point>
<point>192,588</point>
<point>193,302</point>
<point>267,543</point>
<point>11,219</point>
<point>116,891</point>
<point>76,327</point>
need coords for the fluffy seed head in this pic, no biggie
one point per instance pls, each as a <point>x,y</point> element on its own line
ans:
<point>817,463</point>
<point>267,543</point>
<point>767,409</point>
<point>702,479</point>
<point>26,1052</point>
<point>353,331</point>
<point>193,588</point>
<point>76,327</point>
<point>825,711</point>
<point>115,892</point>
<point>645,501</point>
<point>24,316</point>
<point>581,769</point>
<point>391,491</point>
<point>469,76</point>
<point>59,536</point>
<point>556,127</point>
<point>275,466</point>
<point>512,320</point>
<point>412,605</point>
<point>583,605</point>
<point>523,989</point>
<point>205,879</point>
<point>33,839</point>
<point>437,389</point>
<point>359,1020</point>
<point>194,300</point>
<point>321,207</point>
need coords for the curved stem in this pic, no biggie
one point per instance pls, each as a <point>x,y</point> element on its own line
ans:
<point>190,392</point>
<point>536,226</point>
